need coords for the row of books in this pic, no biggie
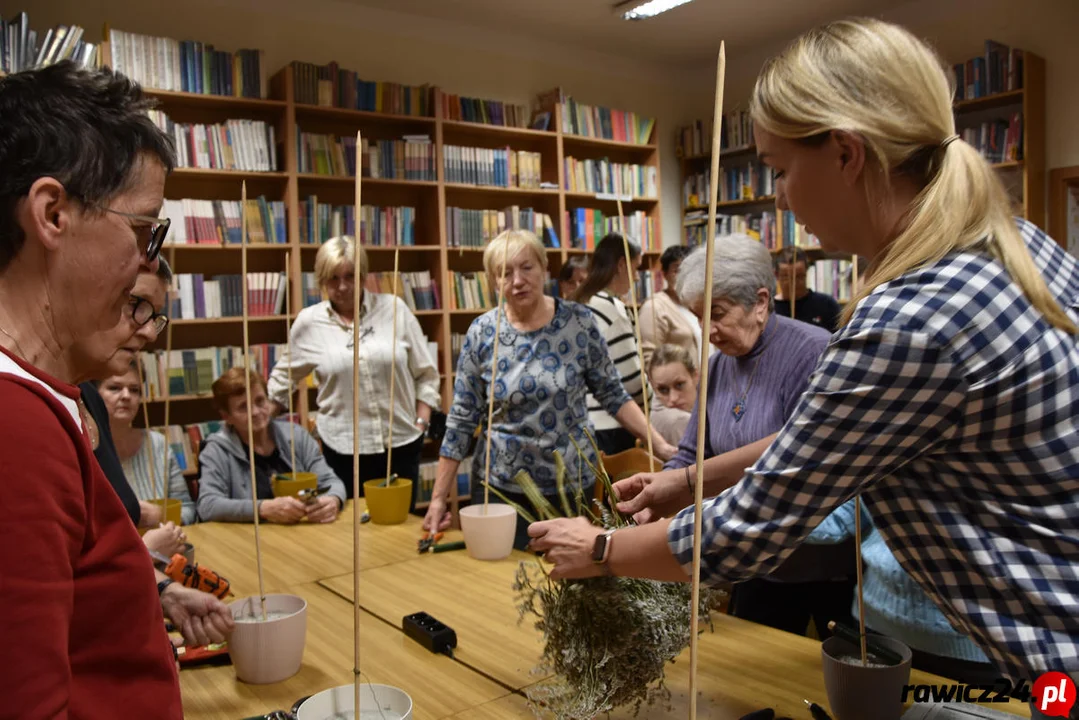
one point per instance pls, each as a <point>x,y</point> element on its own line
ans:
<point>194,296</point>
<point>831,277</point>
<point>379,226</point>
<point>998,141</point>
<point>471,291</point>
<point>999,70</point>
<point>411,158</point>
<point>429,473</point>
<point>187,66</point>
<point>598,122</point>
<point>736,132</point>
<point>487,112</point>
<point>587,226</point>
<point>500,167</point>
<point>331,86</point>
<point>745,181</point>
<point>417,289</point>
<point>457,343</point>
<point>605,177</point>
<point>761,225</point>
<point>193,371</point>
<point>241,144</point>
<point>20,50</point>
<point>309,289</point>
<point>184,441</point>
<point>649,282</point>
<point>218,222</point>
<point>475,228</point>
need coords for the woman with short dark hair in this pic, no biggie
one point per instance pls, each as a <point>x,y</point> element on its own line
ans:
<point>82,185</point>
<point>665,319</point>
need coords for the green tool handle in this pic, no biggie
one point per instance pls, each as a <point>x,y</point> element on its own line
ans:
<point>446,547</point>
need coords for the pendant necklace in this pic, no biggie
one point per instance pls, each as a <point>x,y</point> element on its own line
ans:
<point>739,407</point>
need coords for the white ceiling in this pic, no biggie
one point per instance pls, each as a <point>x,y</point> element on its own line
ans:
<point>688,33</point>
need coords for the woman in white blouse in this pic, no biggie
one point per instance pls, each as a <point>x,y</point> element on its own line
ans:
<point>322,344</point>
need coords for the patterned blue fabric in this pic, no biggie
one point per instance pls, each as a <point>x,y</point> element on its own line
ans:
<point>953,406</point>
<point>543,380</point>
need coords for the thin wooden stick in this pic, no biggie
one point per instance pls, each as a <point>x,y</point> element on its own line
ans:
<point>702,417</point>
<point>494,374</point>
<point>165,475</point>
<point>393,368</point>
<point>356,292</point>
<point>637,330</point>
<point>247,390</point>
<point>288,354</point>
<point>858,566</point>
<point>794,295</point>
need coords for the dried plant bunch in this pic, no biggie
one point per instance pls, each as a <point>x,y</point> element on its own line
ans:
<point>606,640</point>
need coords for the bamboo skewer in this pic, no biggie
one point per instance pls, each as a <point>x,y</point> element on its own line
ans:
<point>247,390</point>
<point>494,374</point>
<point>858,566</point>
<point>357,213</point>
<point>637,330</point>
<point>288,354</point>
<point>702,418</point>
<point>794,295</point>
<point>393,368</point>
<point>165,475</point>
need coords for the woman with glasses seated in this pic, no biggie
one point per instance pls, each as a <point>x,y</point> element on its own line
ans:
<point>143,452</point>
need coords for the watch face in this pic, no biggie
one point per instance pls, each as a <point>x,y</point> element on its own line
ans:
<point>599,548</point>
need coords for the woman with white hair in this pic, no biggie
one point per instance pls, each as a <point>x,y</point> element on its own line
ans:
<point>322,344</point>
<point>754,383</point>
<point>948,399</point>
<point>551,355</point>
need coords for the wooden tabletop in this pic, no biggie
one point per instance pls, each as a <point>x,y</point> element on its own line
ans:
<point>744,667</point>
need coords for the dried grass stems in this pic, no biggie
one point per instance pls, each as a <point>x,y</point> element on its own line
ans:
<point>607,640</point>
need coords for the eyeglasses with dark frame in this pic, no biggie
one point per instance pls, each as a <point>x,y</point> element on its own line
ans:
<point>142,311</point>
<point>159,228</point>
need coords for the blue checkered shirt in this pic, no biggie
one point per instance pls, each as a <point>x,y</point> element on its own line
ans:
<point>953,406</point>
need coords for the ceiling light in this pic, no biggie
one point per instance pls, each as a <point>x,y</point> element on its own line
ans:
<point>638,10</point>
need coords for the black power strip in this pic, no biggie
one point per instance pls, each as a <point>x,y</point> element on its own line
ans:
<point>430,633</point>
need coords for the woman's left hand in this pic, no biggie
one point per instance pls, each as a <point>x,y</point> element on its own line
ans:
<point>567,543</point>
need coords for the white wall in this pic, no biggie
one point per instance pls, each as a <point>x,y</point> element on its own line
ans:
<point>383,45</point>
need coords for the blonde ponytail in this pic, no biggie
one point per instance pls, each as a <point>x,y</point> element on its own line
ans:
<point>880,82</point>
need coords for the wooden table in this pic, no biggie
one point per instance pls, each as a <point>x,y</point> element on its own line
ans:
<point>744,667</point>
<point>296,554</point>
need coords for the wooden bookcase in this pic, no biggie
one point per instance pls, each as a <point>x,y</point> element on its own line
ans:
<point>1062,182</point>
<point>1025,178</point>
<point>430,198</point>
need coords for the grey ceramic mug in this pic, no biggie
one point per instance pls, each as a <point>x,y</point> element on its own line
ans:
<point>863,693</point>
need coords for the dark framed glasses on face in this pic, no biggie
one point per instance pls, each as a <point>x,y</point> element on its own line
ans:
<point>142,312</point>
<point>159,228</point>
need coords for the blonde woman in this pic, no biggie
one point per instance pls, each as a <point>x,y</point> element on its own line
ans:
<point>551,356</point>
<point>948,398</point>
<point>322,344</point>
<point>673,375</point>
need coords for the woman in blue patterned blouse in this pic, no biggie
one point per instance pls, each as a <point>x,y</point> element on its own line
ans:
<point>550,356</point>
<point>948,400</point>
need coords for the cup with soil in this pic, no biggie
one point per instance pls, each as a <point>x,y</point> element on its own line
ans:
<point>873,691</point>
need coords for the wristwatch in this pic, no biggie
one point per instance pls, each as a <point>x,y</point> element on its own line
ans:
<point>163,584</point>
<point>602,549</point>
<point>422,423</point>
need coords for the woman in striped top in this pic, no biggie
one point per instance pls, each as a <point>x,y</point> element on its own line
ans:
<point>143,464</point>
<point>609,279</point>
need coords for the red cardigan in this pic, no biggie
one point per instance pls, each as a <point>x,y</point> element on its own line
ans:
<point>79,614</point>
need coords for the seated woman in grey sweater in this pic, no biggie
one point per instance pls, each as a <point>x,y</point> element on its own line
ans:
<point>225,485</point>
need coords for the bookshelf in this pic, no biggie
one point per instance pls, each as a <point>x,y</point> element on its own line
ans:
<point>292,185</point>
<point>1064,207</point>
<point>1024,177</point>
